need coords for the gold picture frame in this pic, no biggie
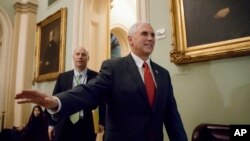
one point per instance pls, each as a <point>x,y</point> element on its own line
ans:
<point>198,36</point>
<point>50,46</point>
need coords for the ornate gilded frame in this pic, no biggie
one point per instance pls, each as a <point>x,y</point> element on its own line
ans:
<point>56,23</point>
<point>182,53</point>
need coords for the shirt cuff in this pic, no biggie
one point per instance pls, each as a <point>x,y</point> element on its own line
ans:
<point>56,110</point>
<point>51,127</point>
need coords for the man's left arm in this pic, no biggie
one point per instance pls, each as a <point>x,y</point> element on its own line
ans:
<point>173,122</point>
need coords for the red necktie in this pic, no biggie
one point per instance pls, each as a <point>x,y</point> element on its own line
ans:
<point>149,83</point>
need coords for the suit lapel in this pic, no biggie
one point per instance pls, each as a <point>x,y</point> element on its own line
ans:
<point>90,75</point>
<point>70,79</point>
<point>133,71</point>
<point>157,81</point>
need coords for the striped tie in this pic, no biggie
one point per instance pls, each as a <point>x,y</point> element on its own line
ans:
<point>76,116</point>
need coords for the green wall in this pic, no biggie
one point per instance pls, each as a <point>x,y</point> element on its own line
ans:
<point>7,5</point>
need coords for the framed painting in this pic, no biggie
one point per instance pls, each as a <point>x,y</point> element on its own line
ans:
<point>209,29</point>
<point>50,46</point>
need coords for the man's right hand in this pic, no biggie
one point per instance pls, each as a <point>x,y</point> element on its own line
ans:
<point>37,97</point>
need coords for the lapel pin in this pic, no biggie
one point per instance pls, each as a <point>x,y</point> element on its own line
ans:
<point>156,71</point>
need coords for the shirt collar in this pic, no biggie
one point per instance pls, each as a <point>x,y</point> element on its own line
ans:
<point>138,61</point>
<point>83,73</point>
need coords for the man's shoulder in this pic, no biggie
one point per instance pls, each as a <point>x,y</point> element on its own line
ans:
<point>118,60</point>
<point>92,71</point>
<point>67,73</point>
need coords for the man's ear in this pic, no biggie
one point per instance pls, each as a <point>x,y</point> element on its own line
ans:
<point>130,40</point>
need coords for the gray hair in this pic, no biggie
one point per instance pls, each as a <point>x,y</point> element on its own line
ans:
<point>81,47</point>
<point>133,28</point>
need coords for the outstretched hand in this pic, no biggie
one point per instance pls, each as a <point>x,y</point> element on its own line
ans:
<point>37,97</point>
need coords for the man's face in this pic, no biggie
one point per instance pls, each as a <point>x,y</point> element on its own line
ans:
<point>51,36</point>
<point>80,58</point>
<point>143,40</point>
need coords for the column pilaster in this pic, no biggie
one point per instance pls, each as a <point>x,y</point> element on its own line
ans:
<point>24,42</point>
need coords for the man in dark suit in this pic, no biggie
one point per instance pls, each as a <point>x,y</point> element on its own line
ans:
<point>131,114</point>
<point>82,129</point>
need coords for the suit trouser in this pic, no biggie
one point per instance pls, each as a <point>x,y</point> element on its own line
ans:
<point>77,132</point>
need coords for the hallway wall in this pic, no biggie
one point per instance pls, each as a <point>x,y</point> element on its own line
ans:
<point>7,5</point>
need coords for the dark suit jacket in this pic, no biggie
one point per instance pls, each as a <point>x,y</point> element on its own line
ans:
<point>65,82</point>
<point>129,116</point>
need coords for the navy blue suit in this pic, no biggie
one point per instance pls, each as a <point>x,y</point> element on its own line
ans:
<point>129,116</point>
